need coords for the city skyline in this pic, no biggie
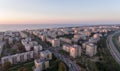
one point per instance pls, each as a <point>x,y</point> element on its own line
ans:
<point>54,12</point>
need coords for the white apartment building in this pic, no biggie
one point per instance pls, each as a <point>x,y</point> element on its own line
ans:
<point>21,57</point>
<point>87,33</point>
<point>42,64</point>
<point>65,40</point>
<point>46,54</point>
<point>96,36</point>
<point>55,43</point>
<point>48,39</point>
<point>59,33</point>
<point>66,48</point>
<point>23,35</point>
<point>42,37</point>
<point>75,51</point>
<point>28,47</point>
<point>10,40</point>
<point>37,49</point>
<point>90,48</point>
<point>75,40</point>
<point>28,44</point>
<point>94,40</point>
<point>36,69</point>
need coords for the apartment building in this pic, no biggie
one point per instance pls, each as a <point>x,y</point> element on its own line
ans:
<point>37,49</point>
<point>66,48</point>
<point>41,64</point>
<point>66,40</point>
<point>75,51</point>
<point>21,57</point>
<point>46,54</point>
<point>90,48</point>
<point>28,43</point>
<point>23,35</point>
<point>55,43</point>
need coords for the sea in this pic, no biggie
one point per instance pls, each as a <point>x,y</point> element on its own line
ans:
<point>19,27</point>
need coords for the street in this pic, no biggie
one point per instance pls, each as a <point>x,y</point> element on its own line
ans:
<point>113,50</point>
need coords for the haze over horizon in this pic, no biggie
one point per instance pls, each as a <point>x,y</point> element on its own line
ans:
<point>59,11</point>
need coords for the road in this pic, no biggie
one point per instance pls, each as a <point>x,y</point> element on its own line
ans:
<point>71,65</point>
<point>113,50</point>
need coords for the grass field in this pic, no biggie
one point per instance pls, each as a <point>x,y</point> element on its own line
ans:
<point>28,66</point>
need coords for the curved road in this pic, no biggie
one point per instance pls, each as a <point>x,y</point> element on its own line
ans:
<point>113,50</point>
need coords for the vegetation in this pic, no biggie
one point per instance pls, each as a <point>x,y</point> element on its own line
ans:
<point>116,41</point>
<point>20,47</point>
<point>63,52</point>
<point>61,67</point>
<point>6,66</point>
<point>23,67</point>
<point>69,36</point>
<point>86,64</point>
<point>106,62</point>
<point>54,66</point>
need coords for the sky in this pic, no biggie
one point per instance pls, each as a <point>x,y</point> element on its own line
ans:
<point>59,11</point>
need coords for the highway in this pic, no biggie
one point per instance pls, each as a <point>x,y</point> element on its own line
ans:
<point>113,50</point>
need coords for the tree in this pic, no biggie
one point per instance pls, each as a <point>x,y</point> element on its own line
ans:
<point>6,66</point>
<point>61,67</point>
<point>22,69</point>
<point>7,44</point>
<point>20,47</point>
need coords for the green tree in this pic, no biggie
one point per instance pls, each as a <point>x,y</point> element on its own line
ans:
<point>6,66</point>
<point>7,44</point>
<point>22,69</point>
<point>20,47</point>
<point>61,67</point>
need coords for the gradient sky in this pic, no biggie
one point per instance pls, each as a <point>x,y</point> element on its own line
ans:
<point>59,11</point>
